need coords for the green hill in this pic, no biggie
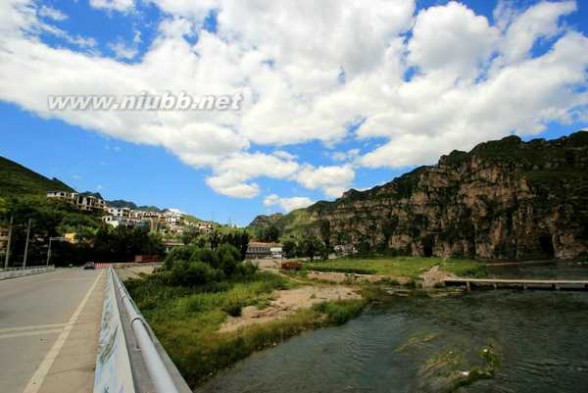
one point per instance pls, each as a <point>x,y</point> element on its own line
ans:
<point>16,180</point>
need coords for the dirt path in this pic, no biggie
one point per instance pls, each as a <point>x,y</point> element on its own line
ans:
<point>287,302</point>
<point>355,278</point>
<point>133,271</point>
<point>434,276</point>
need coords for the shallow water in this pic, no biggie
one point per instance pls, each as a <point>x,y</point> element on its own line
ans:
<point>541,338</point>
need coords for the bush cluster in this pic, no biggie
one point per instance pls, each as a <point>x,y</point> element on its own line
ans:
<point>192,266</point>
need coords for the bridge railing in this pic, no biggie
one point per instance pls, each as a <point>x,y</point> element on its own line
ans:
<point>155,361</point>
<point>13,272</point>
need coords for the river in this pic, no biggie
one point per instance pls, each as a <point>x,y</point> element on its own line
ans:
<point>422,344</point>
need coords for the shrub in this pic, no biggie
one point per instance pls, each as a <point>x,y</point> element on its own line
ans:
<point>290,265</point>
<point>340,312</point>
<point>229,258</point>
<point>179,254</point>
<point>207,256</point>
<point>194,273</point>
<point>246,269</point>
<point>233,309</point>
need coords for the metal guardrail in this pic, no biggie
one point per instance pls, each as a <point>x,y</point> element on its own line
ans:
<point>158,372</point>
<point>18,268</point>
<point>27,271</point>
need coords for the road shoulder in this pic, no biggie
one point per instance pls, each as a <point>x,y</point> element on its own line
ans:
<point>73,369</point>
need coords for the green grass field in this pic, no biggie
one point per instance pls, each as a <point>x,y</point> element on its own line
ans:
<point>187,321</point>
<point>399,266</point>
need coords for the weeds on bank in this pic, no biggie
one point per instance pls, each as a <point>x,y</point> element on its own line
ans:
<point>449,371</point>
<point>410,267</point>
<point>187,302</point>
<point>200,351</point>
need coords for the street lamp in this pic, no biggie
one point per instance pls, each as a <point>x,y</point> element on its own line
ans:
<point>57,238</point>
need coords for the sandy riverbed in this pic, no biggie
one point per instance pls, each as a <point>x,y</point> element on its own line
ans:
<point>287,302</point>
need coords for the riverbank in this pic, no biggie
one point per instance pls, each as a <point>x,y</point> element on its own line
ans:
<point>403,270</point>
<point>208,327</point>
<point>491,341</point>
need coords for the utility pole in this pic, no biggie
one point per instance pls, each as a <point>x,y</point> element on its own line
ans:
<point>49,248</point>
<point>26,252</point>
<point>7,259</point>
<point>49,251</point>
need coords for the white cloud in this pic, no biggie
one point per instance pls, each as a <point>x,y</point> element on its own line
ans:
<point>123,51</point>
<point>114,5</point>
<point>332,180</point>
<point>232,175</point>
<point>451,39</point>
<point>345,155</point>
<point>228,186</point>
<point>476,81</point>
<point>52,13</point>
<point>522,30</point>
<point>196,10</point>
<point>287,204</point>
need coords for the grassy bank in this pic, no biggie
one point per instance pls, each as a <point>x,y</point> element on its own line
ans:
<point>186,319</point>
<point>399,266</point>
<point>200,351</point>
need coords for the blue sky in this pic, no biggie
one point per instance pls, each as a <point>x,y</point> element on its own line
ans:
<point>330,103</point>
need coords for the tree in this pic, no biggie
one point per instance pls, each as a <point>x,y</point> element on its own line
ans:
<point>215,239</point>
<point>310,247</point>
<point>238,239</point>
<point>290,248</point>
<point>325,232</point>
<point>271,233</point>
<point>190,236</point>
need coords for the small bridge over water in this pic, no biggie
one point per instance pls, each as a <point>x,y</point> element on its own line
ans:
<point>524,283</point>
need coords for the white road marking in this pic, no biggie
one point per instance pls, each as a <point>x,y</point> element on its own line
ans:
<point>32,333</point>
<point>37,379</point>
<point>32,327</point>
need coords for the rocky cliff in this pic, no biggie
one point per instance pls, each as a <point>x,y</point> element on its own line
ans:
<point>505,199</point>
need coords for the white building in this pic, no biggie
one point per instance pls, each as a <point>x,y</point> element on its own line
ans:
<point>125,222</point>
<point>63,195</point>
<point>84,201</point>
<point>172,216</point>
<point>88,202</point>
<point>119,211</point>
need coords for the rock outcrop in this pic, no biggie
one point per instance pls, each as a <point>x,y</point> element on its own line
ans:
<point>505,199</point>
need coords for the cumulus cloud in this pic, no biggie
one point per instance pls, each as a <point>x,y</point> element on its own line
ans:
<point>523,29</point>
<point>332,180</point>
<point>287,204</point>
<point>451,39</point>
<point>233,175</point>
<point>457,79</point>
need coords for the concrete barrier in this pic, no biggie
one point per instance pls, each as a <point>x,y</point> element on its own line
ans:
<point>130,358</point>
<point>28,271</point>
<point>113,367</point>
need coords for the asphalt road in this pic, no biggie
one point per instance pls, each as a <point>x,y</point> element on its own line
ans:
<point>37,315</point>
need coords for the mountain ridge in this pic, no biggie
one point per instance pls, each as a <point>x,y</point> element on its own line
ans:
<point>16,180</point>
<point>504,199</point>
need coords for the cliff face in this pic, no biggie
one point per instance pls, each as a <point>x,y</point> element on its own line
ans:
<point>504,199</point>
